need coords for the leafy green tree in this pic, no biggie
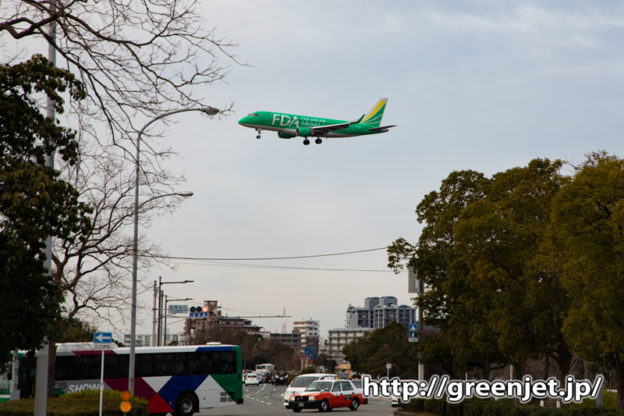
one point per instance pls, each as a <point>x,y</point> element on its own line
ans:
<point>373,351</point>
<point>254,348</point>
<point>34,202</point>
<point>449,303</point>
<point>75,330</point>
<point>499,237</point>
<point>588,231</point>
<point>326,361</point>
<point>492,285</point>
<point>308,370</point>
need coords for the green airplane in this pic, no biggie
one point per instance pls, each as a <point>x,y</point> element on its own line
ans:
<point>290,125</point>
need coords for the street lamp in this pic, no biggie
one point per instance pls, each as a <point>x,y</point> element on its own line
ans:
<point>210,111</point>
<point>166,312</point>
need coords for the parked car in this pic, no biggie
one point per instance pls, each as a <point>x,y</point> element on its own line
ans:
<point>302,381</point>
<point>326,395</point>
<point>252,378</point>
<point>281,377</point>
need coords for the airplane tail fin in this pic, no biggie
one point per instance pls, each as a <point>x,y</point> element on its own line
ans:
<point>373,117</point>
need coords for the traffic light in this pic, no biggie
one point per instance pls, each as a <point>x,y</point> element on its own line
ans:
<point>199,311</point>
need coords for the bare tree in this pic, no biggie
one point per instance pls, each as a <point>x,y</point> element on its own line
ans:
<point>137,59</point>
<point>93,272</point>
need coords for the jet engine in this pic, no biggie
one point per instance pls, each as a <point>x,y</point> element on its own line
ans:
<point>304,131</point>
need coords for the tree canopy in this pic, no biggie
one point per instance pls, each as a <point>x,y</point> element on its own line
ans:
<point>371,353</point>
<point>588,229</point>
<point>34,202</point>
<point>524,265</point>
<point>136,61</point>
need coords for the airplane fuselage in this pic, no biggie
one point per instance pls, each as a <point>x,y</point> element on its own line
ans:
<point>298,125</point>
<point>290,125</point>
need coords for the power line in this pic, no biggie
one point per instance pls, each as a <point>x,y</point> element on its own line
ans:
<point>344,253</point>
<point>269,266</point>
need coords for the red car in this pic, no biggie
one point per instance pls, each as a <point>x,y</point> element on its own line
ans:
<point>325,395</point>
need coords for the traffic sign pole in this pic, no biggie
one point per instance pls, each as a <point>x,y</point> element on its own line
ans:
<point>101,383</point>
<point>102,341</point>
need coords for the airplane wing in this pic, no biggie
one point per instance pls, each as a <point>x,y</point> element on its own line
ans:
<point>323,130</point>
<point>381,129</point>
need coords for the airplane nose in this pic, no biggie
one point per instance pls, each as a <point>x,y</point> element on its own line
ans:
<point>243,121</point>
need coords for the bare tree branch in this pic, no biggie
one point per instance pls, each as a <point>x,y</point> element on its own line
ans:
<point>137,60</point>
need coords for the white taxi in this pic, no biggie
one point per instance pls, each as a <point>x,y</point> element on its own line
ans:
<point>302,381</point>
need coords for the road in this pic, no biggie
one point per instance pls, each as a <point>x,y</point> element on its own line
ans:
<point>267,400</point>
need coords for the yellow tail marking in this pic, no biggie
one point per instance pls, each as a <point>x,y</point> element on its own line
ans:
<point>378,107</point>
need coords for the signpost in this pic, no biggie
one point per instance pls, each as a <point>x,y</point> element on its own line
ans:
<point>388,367</point>
<point>102,341</point>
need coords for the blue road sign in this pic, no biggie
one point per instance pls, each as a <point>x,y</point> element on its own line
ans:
<point>102,337</point>
<point>173,309</point>
<point>199,314</point>
<point>413,332</point>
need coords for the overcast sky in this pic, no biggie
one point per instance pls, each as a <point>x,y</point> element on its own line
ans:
<point>483,85</point>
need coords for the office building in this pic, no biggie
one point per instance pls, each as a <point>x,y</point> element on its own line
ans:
<point>309,331</point>
<point>379,312</point>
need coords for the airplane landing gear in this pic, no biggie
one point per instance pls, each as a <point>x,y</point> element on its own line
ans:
<point>318,140</point>
<point>306,142</point>
<point>258,136</point>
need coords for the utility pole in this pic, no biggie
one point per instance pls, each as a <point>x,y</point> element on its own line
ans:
<point>415,285</point>
<point>159,313</point>
<point>153,343</point>
<point>421,328</point>
<point>43,355</point>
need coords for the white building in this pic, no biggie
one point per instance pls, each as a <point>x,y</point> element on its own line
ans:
<point>340,337</point>
<point>144,340</point>
<point>310,332</point>
<point>379,312</point>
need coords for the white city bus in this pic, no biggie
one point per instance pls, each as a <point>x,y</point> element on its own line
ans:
<point>265,368</point>
<point>176,379</point>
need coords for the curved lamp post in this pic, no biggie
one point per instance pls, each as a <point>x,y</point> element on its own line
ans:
<point>210,111</point>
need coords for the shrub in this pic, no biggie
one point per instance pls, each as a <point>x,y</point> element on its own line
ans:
<point>84,403</point>
<point>308,370</point>
<point>478,407</point>
<point>609,401</point>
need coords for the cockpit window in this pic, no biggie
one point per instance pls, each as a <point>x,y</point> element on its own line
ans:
<point>253,115</point>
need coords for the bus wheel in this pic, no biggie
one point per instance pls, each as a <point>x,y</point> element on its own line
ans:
<point>296,409</point>
<point>185,405</point>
